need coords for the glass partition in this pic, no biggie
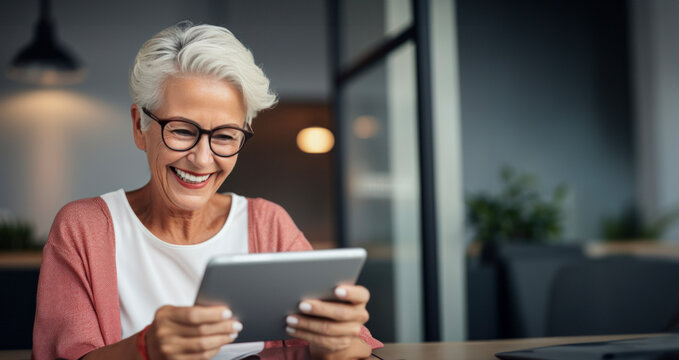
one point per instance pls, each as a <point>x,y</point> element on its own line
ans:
<point>382,190</point>
<point>367,23</point>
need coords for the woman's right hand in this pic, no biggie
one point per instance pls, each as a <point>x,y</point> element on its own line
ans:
<point>193,332</point>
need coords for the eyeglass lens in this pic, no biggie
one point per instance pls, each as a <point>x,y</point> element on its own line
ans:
<point>181,136</point>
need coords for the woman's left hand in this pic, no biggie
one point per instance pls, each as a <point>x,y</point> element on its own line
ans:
<point>333,328</point>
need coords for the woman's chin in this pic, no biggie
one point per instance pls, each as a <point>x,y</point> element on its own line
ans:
<point>190,196</point>
<point>189,202</point>
<point>189,199</point>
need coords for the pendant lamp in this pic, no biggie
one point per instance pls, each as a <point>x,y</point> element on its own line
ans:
<point>44,61</point>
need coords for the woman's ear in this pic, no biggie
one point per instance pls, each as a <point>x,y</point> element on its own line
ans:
<point>139,138</point>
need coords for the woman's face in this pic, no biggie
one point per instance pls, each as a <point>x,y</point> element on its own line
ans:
<point>208,102</point>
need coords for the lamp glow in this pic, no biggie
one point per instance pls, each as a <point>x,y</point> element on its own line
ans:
<point>315,140</point>
<point>366,127</point>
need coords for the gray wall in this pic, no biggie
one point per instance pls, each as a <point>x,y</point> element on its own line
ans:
<point>288,39</point>
<point>544,89</point>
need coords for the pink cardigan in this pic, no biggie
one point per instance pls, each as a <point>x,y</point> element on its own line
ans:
<point>77,304</point>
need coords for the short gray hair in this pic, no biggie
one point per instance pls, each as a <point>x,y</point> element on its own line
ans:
<point>185,49</point>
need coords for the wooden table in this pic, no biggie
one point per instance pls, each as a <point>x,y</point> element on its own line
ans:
<point>468,350</point>
<point>15,355</point>
<point>22,259</point>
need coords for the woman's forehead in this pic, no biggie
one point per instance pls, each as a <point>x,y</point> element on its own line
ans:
<point>202,99</point>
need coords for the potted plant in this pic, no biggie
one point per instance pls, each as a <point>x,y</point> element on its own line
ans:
<point>629,226</point>
<point>518,214</point>
<point>516,229</point>
<point>17,235</point>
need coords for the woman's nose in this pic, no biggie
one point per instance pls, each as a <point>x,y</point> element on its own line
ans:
<point>202,152</point>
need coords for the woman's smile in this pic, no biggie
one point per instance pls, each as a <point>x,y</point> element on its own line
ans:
<point>190,179</point>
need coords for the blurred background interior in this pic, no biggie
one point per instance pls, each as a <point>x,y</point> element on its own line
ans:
<point>510,166</point>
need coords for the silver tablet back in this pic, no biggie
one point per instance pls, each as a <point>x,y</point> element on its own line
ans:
<point>262,289</point>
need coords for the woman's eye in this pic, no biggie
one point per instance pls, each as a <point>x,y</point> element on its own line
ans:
<point>183,132</point>
<point>223,137</point>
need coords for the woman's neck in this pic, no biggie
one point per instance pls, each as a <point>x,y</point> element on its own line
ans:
<point>179,226</point>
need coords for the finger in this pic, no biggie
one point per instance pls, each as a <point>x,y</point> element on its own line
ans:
<point>323,326</point>
<point>330,343</point>
<point>354,294</point>
<point>224,327</point>
<point>200,344</point>
<point>335,311</point>
<point>195,315</point>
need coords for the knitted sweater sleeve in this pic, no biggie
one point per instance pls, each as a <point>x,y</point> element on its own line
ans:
<point>271,229</point>
<point>77,305</point>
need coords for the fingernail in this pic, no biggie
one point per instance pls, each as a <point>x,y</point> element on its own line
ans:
<point>291,320</point>
<point>226,314</point>
<point>237,326</point>
<point>341,292</point>
<point>290,330</point>
<point>305,307</point>
<point>233,336</point>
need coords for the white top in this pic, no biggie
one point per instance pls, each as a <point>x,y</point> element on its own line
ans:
<point>153,273</point>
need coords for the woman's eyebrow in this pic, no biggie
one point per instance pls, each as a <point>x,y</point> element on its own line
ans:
<point>229,123</point>
<point>178,117</point>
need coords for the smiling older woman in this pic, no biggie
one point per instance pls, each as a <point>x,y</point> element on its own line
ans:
<point>120,271</point>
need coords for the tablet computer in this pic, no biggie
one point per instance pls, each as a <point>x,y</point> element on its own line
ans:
<point>262,289</point>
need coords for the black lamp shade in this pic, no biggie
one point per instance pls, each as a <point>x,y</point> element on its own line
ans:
<point>44,61</point>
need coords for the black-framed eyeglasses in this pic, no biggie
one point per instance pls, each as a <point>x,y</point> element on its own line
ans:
<point>184,134</point>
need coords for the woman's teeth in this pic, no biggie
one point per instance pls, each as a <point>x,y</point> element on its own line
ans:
<point>190,178</point>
